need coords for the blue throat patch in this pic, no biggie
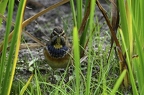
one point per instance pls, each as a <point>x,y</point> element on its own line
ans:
<point>57,53</point>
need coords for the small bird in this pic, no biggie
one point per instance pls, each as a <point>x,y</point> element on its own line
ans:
<point>57,50</point>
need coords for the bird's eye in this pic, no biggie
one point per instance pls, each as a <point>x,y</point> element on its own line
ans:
<point>62,33</point>
<point>55,32</point>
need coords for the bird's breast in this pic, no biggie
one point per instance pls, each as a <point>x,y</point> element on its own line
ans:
<point>57,58</point>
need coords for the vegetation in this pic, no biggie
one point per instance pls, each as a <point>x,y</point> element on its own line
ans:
<point>94,71</point>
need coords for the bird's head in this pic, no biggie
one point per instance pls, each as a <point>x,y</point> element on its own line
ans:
<point>58,38</point>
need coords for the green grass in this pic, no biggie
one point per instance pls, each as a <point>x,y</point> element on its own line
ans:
<point>103,75</point>
<point>94,75</point>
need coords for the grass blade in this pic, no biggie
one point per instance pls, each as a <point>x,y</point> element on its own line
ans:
<point>26,85</point>
<point>131,77</point>
<point>90,64</point>
<point>76,59</point>
<point>73,12</point>
<point>8,27</point>
<point>3,5</point>
<point>79,12</point>
<point>118,83</point>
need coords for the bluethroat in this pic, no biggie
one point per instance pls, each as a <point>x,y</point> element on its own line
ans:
<point>57,50</point>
